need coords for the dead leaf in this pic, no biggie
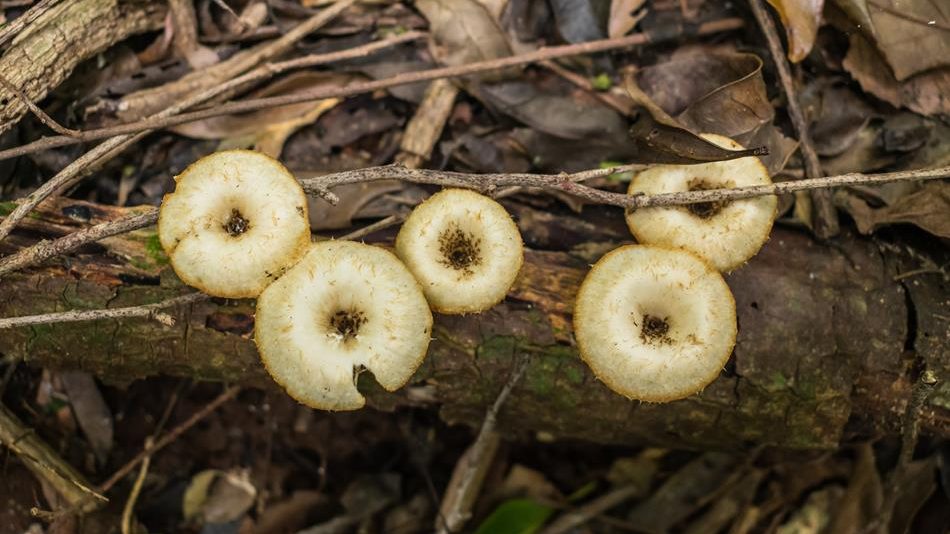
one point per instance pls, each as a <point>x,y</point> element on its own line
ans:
<point>836,113</point>
<point>91,411</point>
<point>927,93</point>
<point>801,19</point>
<point>463,31</point>
<point>353,198</point>
<point>716,92</point>
<point>928,208</point>
<point>289,515</point>
<point>623,18</point>
<point>861,503</point>
<point>685,492</point>
<point>217,496</point>
<point>905,32</point>
<point>267,130</point>
<point>814,515</point>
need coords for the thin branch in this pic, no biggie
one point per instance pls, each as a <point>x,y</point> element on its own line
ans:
<point>48,249</point>
<point>39,113</point>
<point>150,311</point>
<point>470,473</point>
<point>489,184</point>
<point>159,444</point>
<point>73,172</point>
<point>826,217</point>
<point>165,119</point>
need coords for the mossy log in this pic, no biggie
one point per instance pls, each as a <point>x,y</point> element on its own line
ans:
<point>830,337</point>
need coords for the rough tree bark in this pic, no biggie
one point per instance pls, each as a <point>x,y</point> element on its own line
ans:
<point>46,51</point>
<point>828,341</point>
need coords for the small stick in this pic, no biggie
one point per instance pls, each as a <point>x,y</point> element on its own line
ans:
<point>826,217</point>
<point>152,311</point>
<point>577,517</point>
<point>107,150</point>
<point>466,484</point>
<point>159,444</point>
<point>39,113</point>
<point>46,464</point>
<point>163,120</point>
<point>129,508</point>
<point>488,183</point>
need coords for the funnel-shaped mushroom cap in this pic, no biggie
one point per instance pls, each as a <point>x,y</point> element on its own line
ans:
<point>724,233</point>
<point>463,248</point>
<point>236,220</point>
<point>654,324</point>
<point>344,306</point>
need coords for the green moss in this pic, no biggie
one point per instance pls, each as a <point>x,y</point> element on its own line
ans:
<point>497,347</point>
<point>154,249</point>
<point>6,208</point>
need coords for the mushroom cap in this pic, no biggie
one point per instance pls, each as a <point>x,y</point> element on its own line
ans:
<point>344,306</point>
<point>464,249</point>
<point>274,227</point>
<point>654,324</point>
<point>731,234</point>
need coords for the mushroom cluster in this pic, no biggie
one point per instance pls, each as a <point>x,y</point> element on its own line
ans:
<point>654,321</point>
<point>236,226</point>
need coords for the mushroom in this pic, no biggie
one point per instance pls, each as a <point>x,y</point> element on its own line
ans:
<point>343,307</point>
<point>653,323</point>
<point>464,249</point>
<point>725,233</point>
<point>236,220</point>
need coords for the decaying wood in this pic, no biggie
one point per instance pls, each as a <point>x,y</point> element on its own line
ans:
<point>45,52</point>
<point>825,352</point>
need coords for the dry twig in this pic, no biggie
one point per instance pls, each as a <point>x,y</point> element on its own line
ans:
<point>825,219</point>
<point>151,311</point>
<point>73,172</point>
<point>166,119</point>
<point>467,480</point>
<point>487,183</point>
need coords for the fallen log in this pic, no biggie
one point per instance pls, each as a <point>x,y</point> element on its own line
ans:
<point>830,336</point>
<point>45,52</point>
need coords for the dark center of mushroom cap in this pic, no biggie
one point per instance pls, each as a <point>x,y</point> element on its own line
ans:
<point>655,330</point>
<point>705,210</point>
<point>460,250</point>
<point>347,323</point>
<point>236,223</point>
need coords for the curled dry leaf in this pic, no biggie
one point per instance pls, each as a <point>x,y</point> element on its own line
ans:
<point>911,34</point>
<point>622,19</point>
<point>801,19</point>
<point>463,31</point>
<point>928,208</point>
<point>927,93</point>
<point>267,130</point>
<point>718,92</point>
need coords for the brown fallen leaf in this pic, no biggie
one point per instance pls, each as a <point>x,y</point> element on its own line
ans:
<point>927,93</point>
<point>911,34</point>
<point>623,17</point>
<point>463,31</point>
<point>801,19</point>
<point>267,130</point>
<point>927,208</point>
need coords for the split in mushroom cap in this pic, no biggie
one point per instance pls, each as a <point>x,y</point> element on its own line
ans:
<point>464,249</point>
<point>726,234</point>
<point>654,324</point>
<point>236,220</point>
<point>344,306</point>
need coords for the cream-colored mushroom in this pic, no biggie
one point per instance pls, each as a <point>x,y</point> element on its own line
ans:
<point>235,222</point>
<point>653,323</point>
<point>727,234</point>
<point>343,307</point>
<point>464,249</point>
